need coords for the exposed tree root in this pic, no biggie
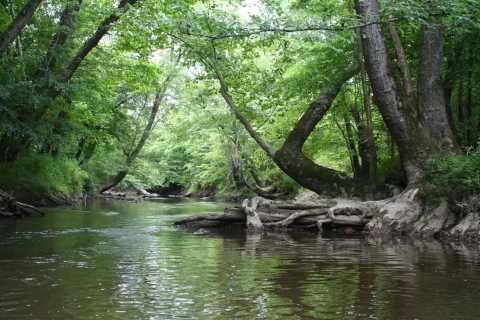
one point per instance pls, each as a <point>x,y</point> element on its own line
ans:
<point>9,207</point>
<point>253,221</point>
<point>405,214</point>
<point>263,213</point>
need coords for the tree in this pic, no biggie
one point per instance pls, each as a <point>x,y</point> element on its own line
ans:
<point>417,121</point>
<point>134,149</point>
<point>18,23</point>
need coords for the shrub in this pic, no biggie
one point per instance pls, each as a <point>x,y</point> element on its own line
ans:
<point>455,178</point>
<point>390,171</point>
<point>39,174</point>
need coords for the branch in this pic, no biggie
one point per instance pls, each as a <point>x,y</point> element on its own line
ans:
<point>23,205</point>
<point>318,108</point>
<point>402,63</point>
<point>286,30</point>
<point>93,41</point>
<point>248,126</point>
<point>291,218</point>
<point>18,24</point>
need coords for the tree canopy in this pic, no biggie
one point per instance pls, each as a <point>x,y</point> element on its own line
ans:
<point>340,97</point>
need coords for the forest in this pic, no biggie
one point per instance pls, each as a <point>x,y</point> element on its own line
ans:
<point>373,103</point>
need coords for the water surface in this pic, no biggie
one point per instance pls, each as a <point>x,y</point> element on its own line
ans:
<point>116,260</point>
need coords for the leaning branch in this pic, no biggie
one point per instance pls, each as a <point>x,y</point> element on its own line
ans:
<point>17,25</point>
<point>24,205</point>
<point>248,126</point>
<point>93,41</point>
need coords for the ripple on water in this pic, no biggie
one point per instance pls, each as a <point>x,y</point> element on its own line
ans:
<point>121,261</point>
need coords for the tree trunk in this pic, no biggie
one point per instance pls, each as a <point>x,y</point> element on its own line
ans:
<point>93,41</point>
<point>352,148</point>
<point>431,98</point>
<point>131,156</point>
<point>415,145</point>
<point>113,181</point>
<point>290,157</point>
<point>468,105</point>
<point>17,25</point>
<point>363,147</point>
<point>419,139</point>
<point>372,148</point>
<point>452,61</point>
<point>66,28</point>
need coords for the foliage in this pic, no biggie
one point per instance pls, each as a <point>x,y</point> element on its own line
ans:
<point>272,72</point>
<point>42,174</point>
<point>390,170</point>
<point>455,178</point>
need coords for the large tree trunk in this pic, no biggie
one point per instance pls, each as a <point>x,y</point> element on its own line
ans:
<point>290,157</point>
<point>420,138</point>
<point>415,145</point>
<point>113,181</point>
<point>431,94</point>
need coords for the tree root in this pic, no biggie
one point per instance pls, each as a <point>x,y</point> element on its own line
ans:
<point>253,221</point>
<point>9,207</point>
<point>405,214</point>
<point>260,213</point>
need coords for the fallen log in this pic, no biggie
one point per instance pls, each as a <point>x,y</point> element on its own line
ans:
<point>9,207</point>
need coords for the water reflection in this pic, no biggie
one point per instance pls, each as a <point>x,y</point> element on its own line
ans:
<point>124,261</point>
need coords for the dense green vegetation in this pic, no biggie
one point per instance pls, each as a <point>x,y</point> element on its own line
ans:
<point>456,178</point>
<point>138,94</point>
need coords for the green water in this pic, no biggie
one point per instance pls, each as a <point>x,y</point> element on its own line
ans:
<point>116,260</point>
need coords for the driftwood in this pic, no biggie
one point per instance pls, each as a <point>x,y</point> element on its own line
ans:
<point>9,207</point>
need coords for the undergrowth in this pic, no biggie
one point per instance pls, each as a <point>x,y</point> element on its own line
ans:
<point>36,175</point>
<point>456,179</point>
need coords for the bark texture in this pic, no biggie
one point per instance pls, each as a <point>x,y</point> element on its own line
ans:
<point>430,88</point>
<point>415,145</point>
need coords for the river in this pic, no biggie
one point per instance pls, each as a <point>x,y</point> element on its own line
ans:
<point>117,260</point>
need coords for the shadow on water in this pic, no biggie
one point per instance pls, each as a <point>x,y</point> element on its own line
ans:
<point>124,261</point>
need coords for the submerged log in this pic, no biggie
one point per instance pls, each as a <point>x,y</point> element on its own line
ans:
<point>9,207</point>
